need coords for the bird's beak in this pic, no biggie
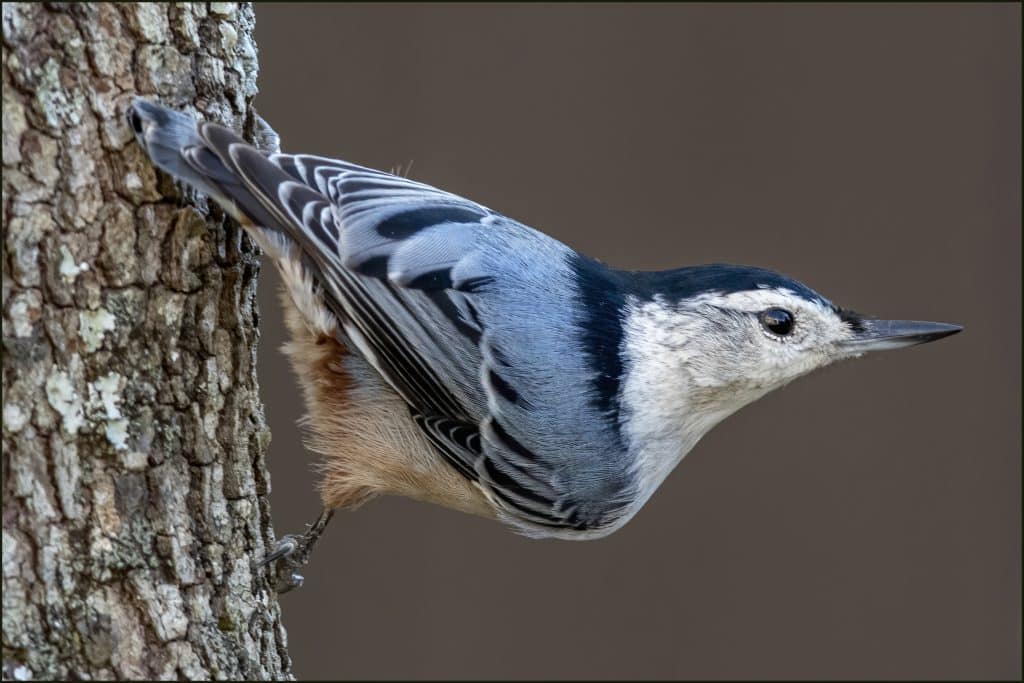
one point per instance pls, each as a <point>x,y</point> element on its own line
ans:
<point>880,335</point>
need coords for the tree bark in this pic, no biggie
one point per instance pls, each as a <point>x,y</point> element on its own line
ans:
<point>135,488</point>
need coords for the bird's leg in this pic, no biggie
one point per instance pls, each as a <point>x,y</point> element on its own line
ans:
<point>294,551</point>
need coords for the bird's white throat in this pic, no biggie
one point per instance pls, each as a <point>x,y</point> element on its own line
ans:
<point>667,406</point>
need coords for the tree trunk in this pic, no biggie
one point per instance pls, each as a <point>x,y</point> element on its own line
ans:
<point>135,488</point>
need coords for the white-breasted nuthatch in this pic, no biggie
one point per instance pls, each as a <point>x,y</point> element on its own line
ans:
<point>450,354</point>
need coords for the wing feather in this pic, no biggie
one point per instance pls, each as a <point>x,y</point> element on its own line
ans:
<point>403,266</point>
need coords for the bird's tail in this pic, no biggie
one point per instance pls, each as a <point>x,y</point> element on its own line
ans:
<point>164,134</point>
<point>217,162</point>
<point>268,202</point>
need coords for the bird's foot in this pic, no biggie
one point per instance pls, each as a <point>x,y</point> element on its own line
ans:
<point>294,551</point>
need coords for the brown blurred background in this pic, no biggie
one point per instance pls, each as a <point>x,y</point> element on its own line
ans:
<point>863,522</point>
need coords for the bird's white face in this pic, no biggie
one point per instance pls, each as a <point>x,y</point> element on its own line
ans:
<point>740,345</point>
<point>719,351</point>
<point>701,359</point>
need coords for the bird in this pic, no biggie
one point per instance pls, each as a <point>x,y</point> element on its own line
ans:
<point>450,354</point>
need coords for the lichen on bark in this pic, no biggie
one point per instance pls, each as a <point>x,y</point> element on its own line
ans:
<point>135,488</point>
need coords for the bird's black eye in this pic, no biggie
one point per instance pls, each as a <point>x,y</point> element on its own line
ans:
<point>777,321</point>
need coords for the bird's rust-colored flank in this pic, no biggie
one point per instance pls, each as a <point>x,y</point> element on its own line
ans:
<point>362,429</point>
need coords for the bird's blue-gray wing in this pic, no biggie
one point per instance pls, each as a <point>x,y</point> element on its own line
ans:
<point>461,311</point>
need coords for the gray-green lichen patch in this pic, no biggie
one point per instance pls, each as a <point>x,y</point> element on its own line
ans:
<point>224,9</point>
<point>105,392</point>
<point>116,432</point>
<point>60,392</point>
<point>92,325</point>
<point>61,108</point>
<point>67,475</point>
<point>69,270</point>
<point>24,310</point>
<point>228,34</point>
<point>14,417</point>
<point>104,403</point>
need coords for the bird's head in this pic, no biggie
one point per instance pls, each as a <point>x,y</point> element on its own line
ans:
<point>733,333</point>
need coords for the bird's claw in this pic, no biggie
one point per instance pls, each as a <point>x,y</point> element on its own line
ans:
<point>285,547</point>
<point>289,583</point>
<point>294,550</point>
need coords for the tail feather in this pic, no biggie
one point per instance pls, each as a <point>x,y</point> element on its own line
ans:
<point>203,156</point>
<point>266,200</point>
<point>169,137</point>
